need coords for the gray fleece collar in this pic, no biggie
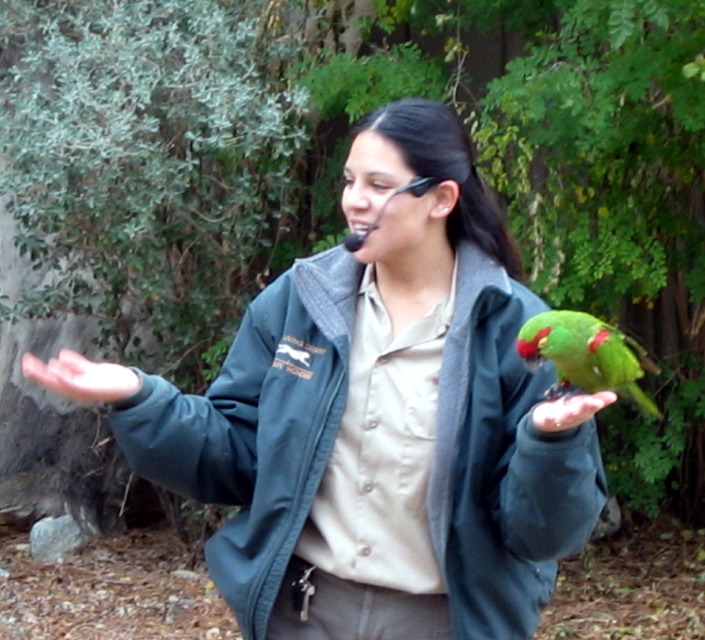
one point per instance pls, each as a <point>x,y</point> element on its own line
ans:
<point>328,283</point>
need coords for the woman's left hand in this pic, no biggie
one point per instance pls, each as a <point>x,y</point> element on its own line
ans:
<point>570,411</point>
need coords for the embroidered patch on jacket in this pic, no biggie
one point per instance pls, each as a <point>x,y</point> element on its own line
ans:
<point>294,356</point>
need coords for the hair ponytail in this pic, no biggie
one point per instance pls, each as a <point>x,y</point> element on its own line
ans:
<point>478,218</point>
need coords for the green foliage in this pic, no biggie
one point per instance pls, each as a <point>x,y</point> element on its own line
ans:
<point>430,20</point>
<point>214,356</point>
<point>433,16</point>
<point>596,140</point>
<point>627,18</point>
<point>340,84</point>
<point>345,84</point>
<point>150,148</point>
<point>696,68</point>
<point>642,457</point>
<point>618,145</point>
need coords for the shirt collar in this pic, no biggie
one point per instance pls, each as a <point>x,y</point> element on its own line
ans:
<point>443,311</point>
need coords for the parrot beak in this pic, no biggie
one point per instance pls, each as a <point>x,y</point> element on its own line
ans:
<point>534,363</point>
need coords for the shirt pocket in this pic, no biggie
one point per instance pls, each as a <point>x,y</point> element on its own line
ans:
<point>420,417</point>
<point>416,455</point>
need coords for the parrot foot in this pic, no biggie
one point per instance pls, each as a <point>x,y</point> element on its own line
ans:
<point>563,389</point>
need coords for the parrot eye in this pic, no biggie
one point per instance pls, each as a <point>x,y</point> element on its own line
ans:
<point>542,343</point>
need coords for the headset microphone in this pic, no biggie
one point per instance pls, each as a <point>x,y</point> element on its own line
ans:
<point>353,241</point>
<point>417,187</point>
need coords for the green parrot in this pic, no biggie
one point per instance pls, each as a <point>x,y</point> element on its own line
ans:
<point>587,353</point>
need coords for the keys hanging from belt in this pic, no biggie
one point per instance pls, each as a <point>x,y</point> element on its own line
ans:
<point>302,590</point>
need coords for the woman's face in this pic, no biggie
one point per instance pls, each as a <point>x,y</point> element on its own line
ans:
<point>373,170</point>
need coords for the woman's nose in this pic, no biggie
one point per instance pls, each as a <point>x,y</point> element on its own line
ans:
<point>356,197</point>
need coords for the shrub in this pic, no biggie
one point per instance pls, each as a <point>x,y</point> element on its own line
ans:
<point>151,148</point>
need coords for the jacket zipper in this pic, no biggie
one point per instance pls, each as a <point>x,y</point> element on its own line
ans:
<point>286,529</point>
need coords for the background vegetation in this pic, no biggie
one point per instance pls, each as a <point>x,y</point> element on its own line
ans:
<point>167,158</point>
<point>153,150</point>
<point>596,137</point>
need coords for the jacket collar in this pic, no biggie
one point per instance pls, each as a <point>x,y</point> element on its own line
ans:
<point>478,274</point>
<point>328,283</point>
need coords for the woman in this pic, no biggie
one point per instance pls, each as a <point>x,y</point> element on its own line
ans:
<point>400,476</point>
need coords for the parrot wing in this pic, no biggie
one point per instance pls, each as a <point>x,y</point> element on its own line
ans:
<point>622,360</point>
<point>612,359</point>
<point>643,356</point>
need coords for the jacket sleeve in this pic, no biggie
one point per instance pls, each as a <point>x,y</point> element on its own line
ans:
<point>550,489</point>
<point>202,447</point>
<point>553,493</point>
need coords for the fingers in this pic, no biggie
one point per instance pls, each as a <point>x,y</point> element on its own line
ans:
<point>570,412</point>
<point>72,376</point>
<point>50,375</point>
<point>32,367</point>
<point>58,375</point>
<point>66,364</point>
<point>607,398</point>
<point>73,361</point>
<point>69,366</point>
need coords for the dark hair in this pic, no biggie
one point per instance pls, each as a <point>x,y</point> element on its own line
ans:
<point>435,144</point>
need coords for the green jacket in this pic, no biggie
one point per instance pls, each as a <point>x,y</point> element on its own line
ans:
<point>503,503</point>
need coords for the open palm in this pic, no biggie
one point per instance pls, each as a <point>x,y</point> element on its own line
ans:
<point>72,376</point>
<point>570,411</point>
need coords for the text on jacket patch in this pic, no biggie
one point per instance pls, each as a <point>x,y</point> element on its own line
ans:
<point>294,356</point>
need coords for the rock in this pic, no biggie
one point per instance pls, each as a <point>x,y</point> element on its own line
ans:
<point>610,520</point>
<point>56,457</point>
<point>52,539</point>
<point>186,574</point>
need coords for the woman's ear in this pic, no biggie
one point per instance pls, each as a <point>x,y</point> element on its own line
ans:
<point>446,194</point>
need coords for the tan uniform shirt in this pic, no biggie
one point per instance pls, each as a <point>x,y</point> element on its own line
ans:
<point>368,521</point>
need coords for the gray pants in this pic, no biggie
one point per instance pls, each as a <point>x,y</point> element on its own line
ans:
<point>343,610</point>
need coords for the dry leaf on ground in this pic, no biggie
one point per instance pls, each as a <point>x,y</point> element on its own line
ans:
<point>648,583</point>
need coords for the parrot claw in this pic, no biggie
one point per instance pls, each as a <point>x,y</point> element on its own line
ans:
<point>562,389</point>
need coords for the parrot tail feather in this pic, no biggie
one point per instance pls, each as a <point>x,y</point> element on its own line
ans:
<point>641,398</point>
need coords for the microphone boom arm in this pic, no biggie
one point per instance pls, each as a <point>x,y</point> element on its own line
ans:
<point>417,187</point>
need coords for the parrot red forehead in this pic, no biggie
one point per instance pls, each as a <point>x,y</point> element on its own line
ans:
<point>530,349</point>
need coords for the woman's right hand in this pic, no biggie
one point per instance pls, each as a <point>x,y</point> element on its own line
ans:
<point>72,376</point>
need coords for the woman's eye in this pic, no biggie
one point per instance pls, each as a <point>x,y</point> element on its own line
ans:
<point>377,186</point>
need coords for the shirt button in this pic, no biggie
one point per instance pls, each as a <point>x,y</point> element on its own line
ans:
<point>365,551</point>
<point>373,424</point>
<point>368,486</point>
